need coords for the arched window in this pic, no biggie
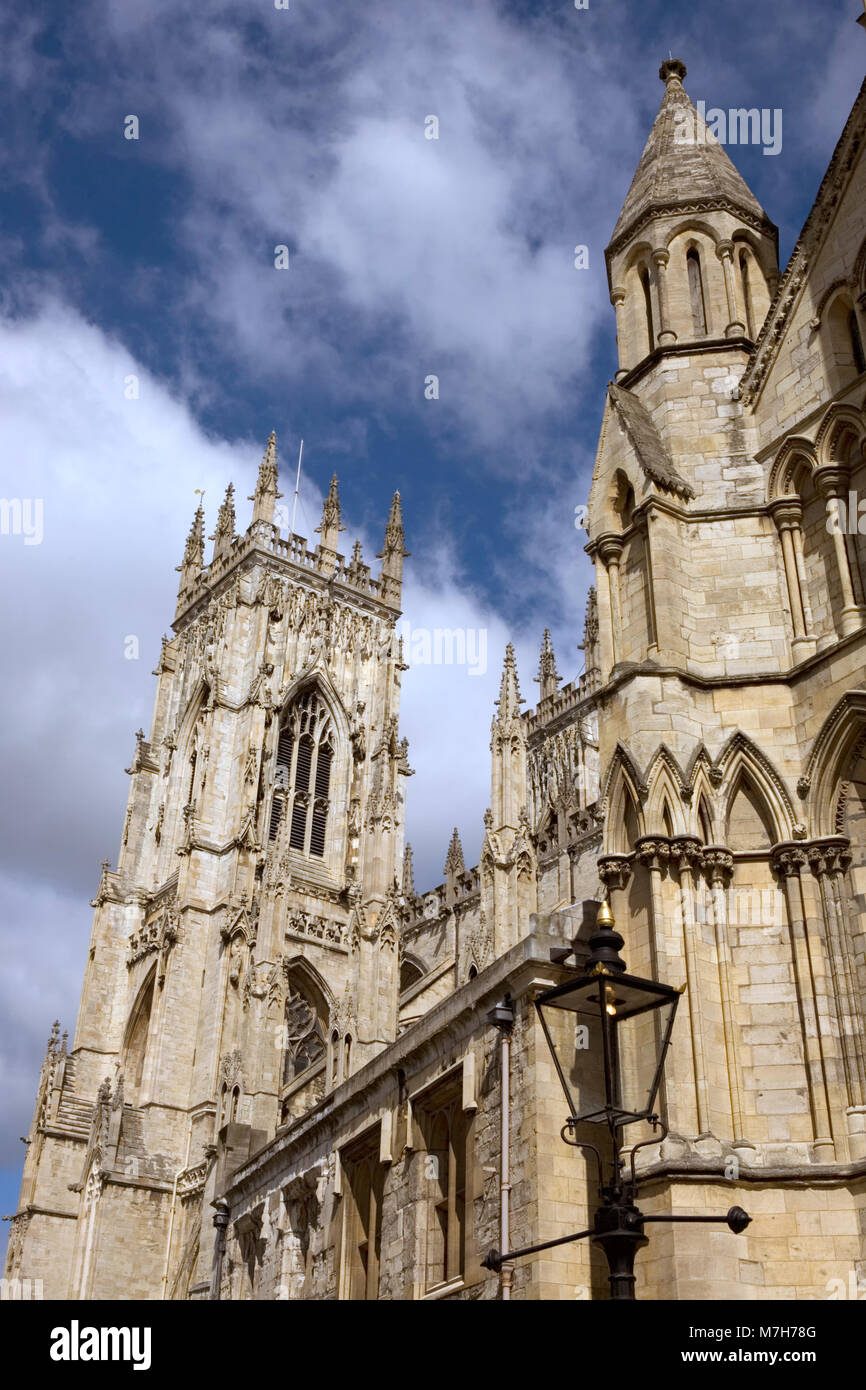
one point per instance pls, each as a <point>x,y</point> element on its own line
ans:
<point>747,294</point>
<point>302,780</point>
<point>137,1037</point>
<point>236,1097</point>
<point>305,1043</point>
<point>648,307</point>
<point>696,293</point>
<point>623,501</point>
<point>347,1055</point>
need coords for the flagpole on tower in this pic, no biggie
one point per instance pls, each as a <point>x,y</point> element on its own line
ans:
<point>297,487</point>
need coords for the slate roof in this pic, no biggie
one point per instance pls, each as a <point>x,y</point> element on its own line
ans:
<point>672,171</point>
<point>646,441</point>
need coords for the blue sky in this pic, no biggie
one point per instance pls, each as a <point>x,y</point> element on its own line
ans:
<point>408,257</point>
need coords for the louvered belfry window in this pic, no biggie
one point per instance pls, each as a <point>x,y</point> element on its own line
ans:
<point>302,780</point>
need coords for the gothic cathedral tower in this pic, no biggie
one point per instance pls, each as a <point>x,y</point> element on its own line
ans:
<point>243,958</point>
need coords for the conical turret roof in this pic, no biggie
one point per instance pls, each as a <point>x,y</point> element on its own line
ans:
<point>683,162</point>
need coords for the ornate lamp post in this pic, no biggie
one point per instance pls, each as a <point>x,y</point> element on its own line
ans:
<point>626,1023</point>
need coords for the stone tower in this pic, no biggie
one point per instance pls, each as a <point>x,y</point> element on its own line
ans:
<point>726,597</point>
<point>243,958</point>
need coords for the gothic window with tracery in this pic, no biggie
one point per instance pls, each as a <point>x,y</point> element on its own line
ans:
<point>302,781</point>
<point>305,1043</point>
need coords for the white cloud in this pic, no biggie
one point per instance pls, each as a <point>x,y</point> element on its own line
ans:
<point>117,478</point>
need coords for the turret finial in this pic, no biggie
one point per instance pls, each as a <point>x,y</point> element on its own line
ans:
<point>673,70</point>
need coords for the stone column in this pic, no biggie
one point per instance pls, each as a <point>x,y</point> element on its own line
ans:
<point>831,480</point>
<point>718,864</point>
<point>787,512</point>
<point>614,871</point>
<point>666,334</point>
<point>617,299</point>
<point>787,863</point>
<point>725,252</point>
<point>654,852</point>
<point>830,860</point>
<point>685,854</point>
<point>610,549</point>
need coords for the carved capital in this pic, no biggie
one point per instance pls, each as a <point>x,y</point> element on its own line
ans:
<point>788,860</point>
<point>614,870</point>
<point>653,850</point>
<point>610,548</point>
<point>686,850</point>
<point>829,856</point>
<point>831,480</point>
<point>787,512</point>
<point>717,862</point>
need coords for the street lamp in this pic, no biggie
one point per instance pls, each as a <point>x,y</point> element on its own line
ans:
<point>627,1022</point>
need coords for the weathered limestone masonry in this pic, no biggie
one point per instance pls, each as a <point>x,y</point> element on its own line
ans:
<point>277,1031</point>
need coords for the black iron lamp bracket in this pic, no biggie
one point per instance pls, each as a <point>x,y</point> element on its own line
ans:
<point>618,1221</point>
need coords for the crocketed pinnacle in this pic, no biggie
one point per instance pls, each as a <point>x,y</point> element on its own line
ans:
<point>454,861</point>
<point>395,541</point>
<point>225,526</point>
<point>266,482</point>
<point>547,660</point>
<point>193,551</point>
<point>408,873</point>
<point>508,704</point>
<point>331,510</point>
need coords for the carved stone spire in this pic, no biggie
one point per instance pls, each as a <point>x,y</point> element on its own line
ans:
<point>510,699</point>
<point>265,496</point>
<point>589,645</point>
<point>547,677</point>
<point>330,529</point>
<point>454,862</point>
<point>393,553</point>
<point>193,552</point>
<point>408,873</point>
<point>508,749</point>
<point>224,534</point>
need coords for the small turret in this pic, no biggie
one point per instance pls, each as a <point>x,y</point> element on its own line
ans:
<point>693,255</point>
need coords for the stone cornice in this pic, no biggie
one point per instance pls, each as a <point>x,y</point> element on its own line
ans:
<point>685,206</point>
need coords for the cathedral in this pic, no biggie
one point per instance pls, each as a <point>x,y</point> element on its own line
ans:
<point>290,1078</point>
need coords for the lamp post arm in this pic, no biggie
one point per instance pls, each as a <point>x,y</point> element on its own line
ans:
<point>493,1260</point>
<point>735,1218</point>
